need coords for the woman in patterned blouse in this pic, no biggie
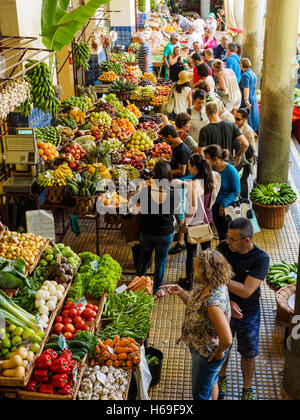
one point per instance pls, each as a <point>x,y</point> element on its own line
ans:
<point>206,330</point>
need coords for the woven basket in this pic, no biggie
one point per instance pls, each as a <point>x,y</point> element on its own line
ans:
<point>113,219</point>
<point>55,195</point>
<point>284,312</point>
<point>270,217</point>
<point>84,205</point>
<point>123,96</point>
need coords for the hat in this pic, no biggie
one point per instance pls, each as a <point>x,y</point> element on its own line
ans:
<point>212,15</point>
<point>184,77</point>
<point>174,35</point>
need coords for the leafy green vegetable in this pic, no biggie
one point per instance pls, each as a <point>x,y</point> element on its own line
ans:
<point>90,339</point>
<point>106,277</point>
<point>152,361</point>
<point>12,274</point>
<point>130,314</point>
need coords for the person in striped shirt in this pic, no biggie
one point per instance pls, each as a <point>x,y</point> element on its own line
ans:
<point>144,54</point>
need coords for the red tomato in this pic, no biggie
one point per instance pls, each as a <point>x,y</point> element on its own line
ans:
<point>77,319</point>
<point>67,320</point>
<point>89,306</point>
<point>58,328</point>
<point>69,305</point>
<point>93,314</point>
<point>68,335</point>
<point>65,314</point>
<point>58,320</point>
<point>92,319</point>
<point>73,312</point>
<point>69,328</point>
<point>86,328</point>
<point>80,325</point>
<point>95,308</point>
<point>87,313</point>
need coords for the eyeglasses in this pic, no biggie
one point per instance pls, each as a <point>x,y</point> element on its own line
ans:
<point>235,240</point>
<point>238,119</point>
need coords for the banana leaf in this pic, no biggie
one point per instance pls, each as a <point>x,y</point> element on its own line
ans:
<point>59,26</point>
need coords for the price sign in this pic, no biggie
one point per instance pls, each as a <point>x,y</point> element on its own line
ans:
<point>121,289</point>
<point>110,350</point>
<point>75,374</point>
<point>101,377</point>
<point>62,342</point>
<point>2,328</point>
<point>81,303</point>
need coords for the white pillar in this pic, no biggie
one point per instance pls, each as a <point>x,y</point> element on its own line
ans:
<point>205,8</point>
<point>123,22</point>
<point>253,34</point>
<point>239,17</point>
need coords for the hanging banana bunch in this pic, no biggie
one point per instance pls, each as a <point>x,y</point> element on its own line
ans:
<point>81,55</point>
<point>42,92</point>
<point>25,108</point>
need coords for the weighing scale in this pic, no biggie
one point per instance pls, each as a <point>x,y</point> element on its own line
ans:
<point>21,154</point>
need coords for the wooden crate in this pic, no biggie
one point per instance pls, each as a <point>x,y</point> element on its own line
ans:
<point>22,382</point>
<point>27,395</point>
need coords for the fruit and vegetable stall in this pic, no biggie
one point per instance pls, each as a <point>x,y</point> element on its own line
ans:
<point>70,327</point>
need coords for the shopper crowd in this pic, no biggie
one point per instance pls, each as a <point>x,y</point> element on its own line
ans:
<point>213,139</point>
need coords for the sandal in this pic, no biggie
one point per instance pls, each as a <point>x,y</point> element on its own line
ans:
<point>159,294</point>
<point>185,284</point>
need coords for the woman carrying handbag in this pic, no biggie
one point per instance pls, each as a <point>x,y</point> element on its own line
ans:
<point>201,195</point>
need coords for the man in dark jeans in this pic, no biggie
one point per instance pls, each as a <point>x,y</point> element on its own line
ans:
<point>223,133</point>
<point>179,165</point>
<point>250,265</point>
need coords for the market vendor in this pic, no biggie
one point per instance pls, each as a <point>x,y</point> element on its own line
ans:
<point>183,22</point>
<point>168,51</point>
<point>144,54</point>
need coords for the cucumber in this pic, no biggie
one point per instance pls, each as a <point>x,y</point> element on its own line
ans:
<point>78,344</point>
<point>52,346</point>
<point>79,354</point>
<point>75,357</point>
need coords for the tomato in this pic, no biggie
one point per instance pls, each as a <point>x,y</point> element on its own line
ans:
<point>58,320</point>
<point>67,320</point>
<point>77,319</point>
<point>92,319</point>
<point>89,306</point>
<point>58,328</point>
<point>68,335</point>
<point>69,305</point>
<point>65,314</point>
<point>95,308</point>
<point>93,314</point>
<point>87,313</point>
<point>73,312</point>
<point>80,325</point>
<point>69,328</point>
<point>86,328</point>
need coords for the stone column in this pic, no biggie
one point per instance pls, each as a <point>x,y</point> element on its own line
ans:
<point>291,381</point>
<point>205,9</point>
<point>277,90</point>
<point>253,34</point>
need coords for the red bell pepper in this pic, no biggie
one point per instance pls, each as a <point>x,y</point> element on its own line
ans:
<point>41,376</point>
<point>43,362</point>
<point>60,381</point>
<point>46,389</point>
<point>65,391</point>
<point>51,353</point>
<point>32,386</point>
<point>66,354</point>
<point>61,365</point>
<point>73,364</point>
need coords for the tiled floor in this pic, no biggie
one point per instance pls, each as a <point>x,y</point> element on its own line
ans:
<point>168,313</point>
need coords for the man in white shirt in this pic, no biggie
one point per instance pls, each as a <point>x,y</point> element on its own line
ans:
<point>199,24</point>
<point>198,114</point>
<point>193,37</point>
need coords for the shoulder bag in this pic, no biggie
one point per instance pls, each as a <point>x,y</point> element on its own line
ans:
<point>168,107</point>
<point>242,208</point>
<point>198,234</point>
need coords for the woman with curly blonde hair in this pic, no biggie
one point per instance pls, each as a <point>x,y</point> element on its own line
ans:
<point>206,329</point>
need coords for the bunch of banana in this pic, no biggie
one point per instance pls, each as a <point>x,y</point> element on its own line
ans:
<point>81,55</point>
<point>282,274</point>
<point>25,108</point>
<point>42,92</point>
<point>121,86</point>
<point>273,194</point>
<point>46,179</point>
<point>62,173</point>
<point>72,102</point>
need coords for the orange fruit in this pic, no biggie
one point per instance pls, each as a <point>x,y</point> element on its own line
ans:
<point>44,157</point>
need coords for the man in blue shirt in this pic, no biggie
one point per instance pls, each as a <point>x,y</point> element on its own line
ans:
<point>233,61</point>
<point>182,22</point>
<point>221,49</point>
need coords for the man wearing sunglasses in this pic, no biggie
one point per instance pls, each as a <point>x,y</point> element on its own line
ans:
<point>250,265</point>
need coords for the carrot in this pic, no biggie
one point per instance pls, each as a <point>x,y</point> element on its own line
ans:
<point>113,343</point>
<point>100,343</point>
<point>136,360</point>
<point>129,363</point>
<point>134,281</point>
<point>113,357</point>
<point>109,363</point>
<point>98,350</point>
<point>122,356</point>
<point>117,363</point>
<point>138,285</point>
<point>134,347</point>
<point>123,364</point>
<point>124,342</point>
<point>106,355</point>
<point>122,350</point>
<point>131,340</point>
<point>108,342</point>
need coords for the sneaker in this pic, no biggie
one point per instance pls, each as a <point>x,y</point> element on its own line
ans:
<point>177,249</point>
<point>248,395</point>
<point>185,284</point>
<point>222,387</point>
